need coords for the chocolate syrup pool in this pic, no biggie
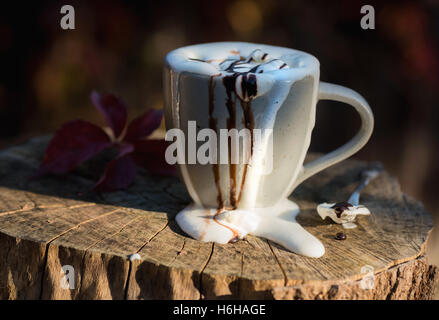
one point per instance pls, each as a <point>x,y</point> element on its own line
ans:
<point>235,214</point>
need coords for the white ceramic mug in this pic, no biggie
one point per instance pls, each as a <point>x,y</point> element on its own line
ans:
<point>285,101</point>
<point>187,98</point>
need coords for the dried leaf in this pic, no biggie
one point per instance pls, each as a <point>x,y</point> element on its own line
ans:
<point>113,109</point>
<point>80,140</point>
<point>124,148</point>
<point>144,125</point>
<point>119,174</point>
<point>76,142</point>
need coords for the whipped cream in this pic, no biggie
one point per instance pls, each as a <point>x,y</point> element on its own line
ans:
<point>257,62</point>
<point>244,70</point>
<point>208,59</point>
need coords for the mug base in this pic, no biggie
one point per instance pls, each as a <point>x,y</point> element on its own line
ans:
<point>276,223</point>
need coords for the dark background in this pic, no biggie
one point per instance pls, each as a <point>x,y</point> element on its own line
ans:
<point>47,73</point>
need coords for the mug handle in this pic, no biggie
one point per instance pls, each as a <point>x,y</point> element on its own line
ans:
<point>328,91</point>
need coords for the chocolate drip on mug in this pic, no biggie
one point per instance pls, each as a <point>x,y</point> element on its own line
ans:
<point>229,84</point>
<point>249,123</point>
<point>249,86</point>
<point>199,60</point>
<point>213,126</point>
<point>249,91</point>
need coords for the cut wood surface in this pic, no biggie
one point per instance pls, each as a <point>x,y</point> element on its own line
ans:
<point>55,221</point>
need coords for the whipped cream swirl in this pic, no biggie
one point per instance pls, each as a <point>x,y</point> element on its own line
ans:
<point>257,62</point>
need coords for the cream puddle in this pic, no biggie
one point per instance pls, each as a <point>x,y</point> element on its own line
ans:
<point>276,223</point>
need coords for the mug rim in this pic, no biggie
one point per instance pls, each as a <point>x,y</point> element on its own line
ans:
<point>179,59</point>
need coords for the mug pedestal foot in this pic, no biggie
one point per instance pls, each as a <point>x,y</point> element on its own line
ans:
<point>276,223</point>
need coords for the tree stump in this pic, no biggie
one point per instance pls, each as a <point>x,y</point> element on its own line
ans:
<point>56,221</point>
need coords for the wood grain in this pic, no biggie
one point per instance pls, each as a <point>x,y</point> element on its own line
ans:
<point>56,221</point>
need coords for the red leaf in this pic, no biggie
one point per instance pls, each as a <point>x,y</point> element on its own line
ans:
<point>124,149</point>
<point>150,154</point>
<point>144,125</point>
<point>113,109</point>
<point>76,142</point>
<point>119,174</point>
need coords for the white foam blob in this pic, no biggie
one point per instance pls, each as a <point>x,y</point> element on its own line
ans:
<point>325,210</point>
<point>349,225</point>
<point>134,256</point>
<point>276,223</point>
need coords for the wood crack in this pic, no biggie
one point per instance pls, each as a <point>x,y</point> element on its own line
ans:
<point>95,244</point>
<point>241,273</point>
<point>178,253</point>
<point>278,262</point>
<point>152,237</point>
<point>80,224</point>
<point>25,208</point>
<point>30,207</point>
<point>395,285</point>
<point>111,235</point>
<point>43,273</point>
<point>127,282</point>
<point>130,267</point>
<point>200,286</point>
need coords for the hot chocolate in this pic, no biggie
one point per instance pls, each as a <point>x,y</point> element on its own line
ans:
<point>238,85</point>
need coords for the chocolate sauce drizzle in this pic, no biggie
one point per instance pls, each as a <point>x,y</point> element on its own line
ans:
<point>249,123</point>
<point>235,234</point>
<point>199,60</point>
<point>229,84</point>
<point>249,91</point>
<point>213,126</point>
<point>339,207</point>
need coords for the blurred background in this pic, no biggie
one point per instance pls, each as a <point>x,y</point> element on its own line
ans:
<point>47,73</point>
